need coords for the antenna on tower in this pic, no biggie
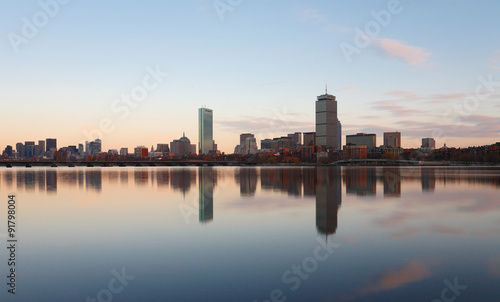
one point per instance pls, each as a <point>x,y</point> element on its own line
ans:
<point>326,87</point>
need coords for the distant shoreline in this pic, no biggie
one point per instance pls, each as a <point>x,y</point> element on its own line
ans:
<point>373,163</point>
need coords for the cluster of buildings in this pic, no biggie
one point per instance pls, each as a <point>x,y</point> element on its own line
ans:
<point>182,147</point>
<point>324,143</point>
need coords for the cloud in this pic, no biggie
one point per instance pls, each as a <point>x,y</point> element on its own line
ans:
<point>394,220</point>
<point>443,229</point>
<point>412,55</point>
<point>396,108</point>
<point>311,15</point>
<point>315,16</point>
<point>266,127</point>
<point>495,60</point>
<point>404,94</point>
<point>413,272</point>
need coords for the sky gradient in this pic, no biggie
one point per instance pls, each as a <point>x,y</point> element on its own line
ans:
<point>427,69</point>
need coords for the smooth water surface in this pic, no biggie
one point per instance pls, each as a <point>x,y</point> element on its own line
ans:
<point>253,234</point>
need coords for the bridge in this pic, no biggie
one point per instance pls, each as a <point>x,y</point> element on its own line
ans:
<point>127,163</point>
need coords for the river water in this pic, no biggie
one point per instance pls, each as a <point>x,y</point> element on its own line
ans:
<point>252,234</point>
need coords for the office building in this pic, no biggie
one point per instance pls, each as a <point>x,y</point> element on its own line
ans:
<point>182,147</point>
<point>327,122</point>
<point>51,144</point>
<point>309,138</point>
<point>296,138</point>
<point>362,139</point>
<point>8,151</point>
<point>95,147</point>
<point>392,139</point>
<point>21,150</point>
<point>265,144</point>
<point>141,152</point>
<point>30,149</point>
<point>250,146</point>
<point>339,135</point>
<point>163,148</point>
<point>429,143</point>
<point>205,130</point>
<point>124,151</point>
<point>41,146</point>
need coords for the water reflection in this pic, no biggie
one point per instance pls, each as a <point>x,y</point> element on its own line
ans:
<point>247,178</point>
<point>392,182</point>
<point>182,179</point>
<point>397,249</point>
<point>206,183</point>
<point>361,181</point>
<point>328,199</point>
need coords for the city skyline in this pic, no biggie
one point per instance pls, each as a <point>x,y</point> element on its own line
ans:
<point>259,78</point>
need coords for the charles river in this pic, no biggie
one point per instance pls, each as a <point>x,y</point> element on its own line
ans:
<point>253,234</point>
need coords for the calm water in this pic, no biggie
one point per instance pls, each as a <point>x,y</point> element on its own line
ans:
<point>245,234</point>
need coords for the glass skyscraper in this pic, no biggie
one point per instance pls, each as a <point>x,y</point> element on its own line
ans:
<point>205,130</point>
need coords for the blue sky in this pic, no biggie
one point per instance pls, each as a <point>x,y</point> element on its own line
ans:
<point>260,66</point>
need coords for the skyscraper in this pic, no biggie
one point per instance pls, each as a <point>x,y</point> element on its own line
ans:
<point>205,130</point>
<point>327,122</point>
<point>51,144</point>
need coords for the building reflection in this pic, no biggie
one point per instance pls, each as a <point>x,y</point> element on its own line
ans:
<point>182,179</point>
<point>141,177</point>
<point>328,199</point>
<point>282,179</point>
<point>247,178</point>
<point>309,183</point>
<point>51,178</point>
<point>162,178</point>
<point>206,183</point>
<point>93,180</point>
<point>361,181</point>
<point>428,177</point>
<point>392,182</point>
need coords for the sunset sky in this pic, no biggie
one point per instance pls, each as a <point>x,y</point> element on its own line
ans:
<point>427,69</point>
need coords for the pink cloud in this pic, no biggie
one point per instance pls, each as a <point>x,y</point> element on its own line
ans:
<point>413,272</point>
<point>413,55</point>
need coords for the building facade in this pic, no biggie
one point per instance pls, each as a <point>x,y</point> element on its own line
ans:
<point>327,122</point>
<point>309,138</point>
<point>205,130</point>
<point>51,144</point>
<point>362,139</point>
<point>429,143</point>
<point>392,139</point>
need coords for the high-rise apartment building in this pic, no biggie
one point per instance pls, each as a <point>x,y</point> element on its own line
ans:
<point>327,122</point>
<point>362,139</point>
<point>205,130</point>
<point>392,139</point>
